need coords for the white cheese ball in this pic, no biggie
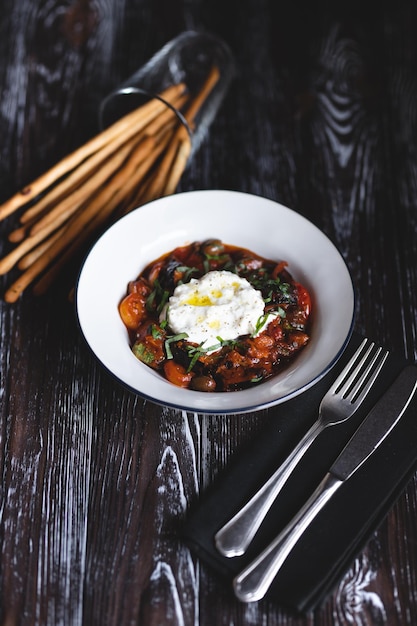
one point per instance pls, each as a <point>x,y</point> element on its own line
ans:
<point>219,304</point>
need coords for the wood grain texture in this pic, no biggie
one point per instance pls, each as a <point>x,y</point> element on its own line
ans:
<point>95,482</point>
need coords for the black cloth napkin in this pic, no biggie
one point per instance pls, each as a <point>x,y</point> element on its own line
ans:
<point>346,523</point>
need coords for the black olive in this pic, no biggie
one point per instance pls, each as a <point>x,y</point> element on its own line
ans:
<point>212,247</point>
<point>203,383</point>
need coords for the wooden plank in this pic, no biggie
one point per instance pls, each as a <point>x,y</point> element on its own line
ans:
<point>96,481</point>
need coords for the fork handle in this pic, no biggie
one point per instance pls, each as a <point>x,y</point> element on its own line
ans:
<point>254,581</point>
<point>235,536</point>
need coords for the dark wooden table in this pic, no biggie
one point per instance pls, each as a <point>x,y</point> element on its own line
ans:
<point>322,117</point>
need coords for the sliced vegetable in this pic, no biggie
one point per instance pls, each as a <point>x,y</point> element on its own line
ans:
<point>132,310</point>
<point>177,374</point>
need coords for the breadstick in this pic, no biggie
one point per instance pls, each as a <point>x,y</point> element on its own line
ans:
<point>198,101</point>
<point>81,225</point>
<point>137,119</point>
<point>10,260</point>
<point>85,169</point>
<point>34,254</point>
<point>69,205</point>
<point>140,157</point>
<point>179,165</point>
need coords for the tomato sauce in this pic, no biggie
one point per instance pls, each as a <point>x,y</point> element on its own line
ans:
<point>236,364</point>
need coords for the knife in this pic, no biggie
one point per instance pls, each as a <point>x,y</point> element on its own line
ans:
<point>254,581</point>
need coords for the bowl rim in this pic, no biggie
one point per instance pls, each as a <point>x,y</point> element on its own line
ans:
<point>247,407</point>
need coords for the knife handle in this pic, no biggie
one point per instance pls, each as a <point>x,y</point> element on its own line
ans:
<point>254,581</point>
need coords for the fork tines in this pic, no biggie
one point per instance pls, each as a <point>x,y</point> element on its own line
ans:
<point>361,371</point>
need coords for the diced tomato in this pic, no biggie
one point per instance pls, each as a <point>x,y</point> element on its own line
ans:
<point>177,374</point>
<point>297,340</point>
<point>279,268</point>
<point>298,316</point>
<point>132,310</point>
<point>250,263</point>
<point>189,256</point>
<point>304,300</point>
<point>275,330</point>
<point>260,347</point>
<point>140,286</point>
<point>239,369</point>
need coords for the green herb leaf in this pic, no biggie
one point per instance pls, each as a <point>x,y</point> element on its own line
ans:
<point>256,379</point>
<point>157,298</point>
<point>155,332</point>
<point>143,353</point>
<point>170,340</point>
<point>187,272</point>
<point>260,323</point>
<point>196,351</point>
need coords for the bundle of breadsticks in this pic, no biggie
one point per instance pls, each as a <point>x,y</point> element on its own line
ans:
<point>139,158</point>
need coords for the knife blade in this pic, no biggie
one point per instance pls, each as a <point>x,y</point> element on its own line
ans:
<point>377,425</point>
<point>254,581</point>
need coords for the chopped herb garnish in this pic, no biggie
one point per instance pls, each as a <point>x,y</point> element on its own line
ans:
<point>164,300</point>
<point>157,298</point>
<point>173,339</point>
<point>186,272</point>
<point>231,343</point>
<point>155,332</point>
<point>260,323</point>
<point>150,301</point>
<point>230,267</point>
<point>256,379</point>
<point>194,352</point>
<point>218,257</point>
<point>143,353</point>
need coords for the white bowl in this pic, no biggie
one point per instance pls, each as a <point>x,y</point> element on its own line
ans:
<point>240,219</point>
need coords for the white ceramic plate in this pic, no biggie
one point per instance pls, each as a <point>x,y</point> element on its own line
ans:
<point>240,219</point>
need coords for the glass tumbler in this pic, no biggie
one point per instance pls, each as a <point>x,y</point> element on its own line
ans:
<point>191,58</point>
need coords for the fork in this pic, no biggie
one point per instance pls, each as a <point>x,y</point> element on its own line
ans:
<point>340,402</point>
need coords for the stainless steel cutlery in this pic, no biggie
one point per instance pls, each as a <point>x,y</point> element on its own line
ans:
<point>254,581</point>
<point>339,404</point>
